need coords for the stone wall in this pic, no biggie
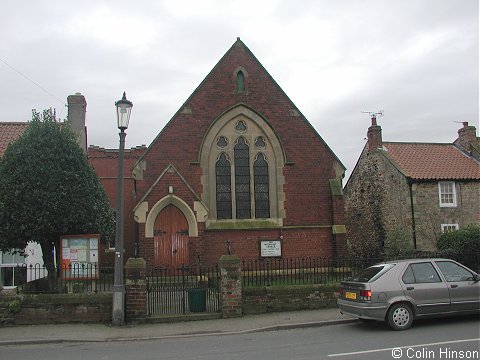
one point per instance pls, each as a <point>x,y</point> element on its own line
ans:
<point>377,201</point>
<point>57,308</point>
<point>288,298</point>
<point>429,216</point>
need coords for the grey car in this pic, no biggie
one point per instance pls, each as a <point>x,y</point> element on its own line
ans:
<point>398,292</point>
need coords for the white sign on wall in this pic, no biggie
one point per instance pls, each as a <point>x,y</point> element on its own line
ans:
<point>270,248</point>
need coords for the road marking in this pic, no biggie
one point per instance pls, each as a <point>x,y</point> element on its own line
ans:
<point>403,347</point>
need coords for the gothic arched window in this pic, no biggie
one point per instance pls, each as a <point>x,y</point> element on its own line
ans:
<point>240,82</point>
<point>242,179</point>
<point>223,187</point>
<point>261,189</point>
<point>242,162</point>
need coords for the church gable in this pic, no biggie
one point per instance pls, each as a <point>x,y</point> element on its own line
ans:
<point>298,163</point>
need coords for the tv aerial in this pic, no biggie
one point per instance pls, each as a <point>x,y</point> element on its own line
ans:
<point>373,115</point>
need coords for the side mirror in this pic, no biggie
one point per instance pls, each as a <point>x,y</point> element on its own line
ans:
<point>476,277</point>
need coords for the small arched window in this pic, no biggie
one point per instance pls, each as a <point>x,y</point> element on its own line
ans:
<point>240,82</point>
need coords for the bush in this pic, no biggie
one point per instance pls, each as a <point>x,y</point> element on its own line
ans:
<point>14,306</point>
<point>465,240</point>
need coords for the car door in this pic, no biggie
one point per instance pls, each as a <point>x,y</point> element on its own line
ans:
<point>464,290</point>
<point>422,284</point>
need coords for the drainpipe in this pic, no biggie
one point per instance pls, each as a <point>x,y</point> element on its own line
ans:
<point>412,208</point>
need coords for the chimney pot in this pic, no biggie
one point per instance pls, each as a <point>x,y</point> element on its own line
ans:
<point>77,108</point>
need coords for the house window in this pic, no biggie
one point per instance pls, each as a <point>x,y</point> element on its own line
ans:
<point>449,227</point>
<point>447,194</point>
<point>13,271</point>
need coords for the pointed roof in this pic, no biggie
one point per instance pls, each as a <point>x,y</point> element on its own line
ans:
<point>430,161</point>
<point>10,132</point>
<point>234,51</point>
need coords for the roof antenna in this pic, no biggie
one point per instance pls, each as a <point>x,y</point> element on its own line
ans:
<point>373,115</point>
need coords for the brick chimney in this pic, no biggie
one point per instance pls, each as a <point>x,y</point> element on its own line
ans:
<point>467,140</point>
<point>374,135</point>
<point>77,107</point>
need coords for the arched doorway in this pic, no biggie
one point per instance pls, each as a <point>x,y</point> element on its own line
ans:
<point>170,234</point>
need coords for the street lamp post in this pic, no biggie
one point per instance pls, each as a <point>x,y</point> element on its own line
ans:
<point>124,107</point>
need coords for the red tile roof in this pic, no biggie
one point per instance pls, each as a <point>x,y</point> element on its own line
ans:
<point>9,132</point>
<point>428,161</point>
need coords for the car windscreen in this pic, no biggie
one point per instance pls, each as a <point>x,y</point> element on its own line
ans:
<point>371,274</point>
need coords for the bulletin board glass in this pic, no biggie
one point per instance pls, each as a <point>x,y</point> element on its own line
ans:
<point>79,256</point>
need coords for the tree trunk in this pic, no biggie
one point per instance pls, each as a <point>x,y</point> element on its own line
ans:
<point>47,250</point>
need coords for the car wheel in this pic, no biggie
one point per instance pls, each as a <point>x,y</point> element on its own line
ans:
<point>400,317</point>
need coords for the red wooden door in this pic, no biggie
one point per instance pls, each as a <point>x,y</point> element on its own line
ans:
<point>171,238</point>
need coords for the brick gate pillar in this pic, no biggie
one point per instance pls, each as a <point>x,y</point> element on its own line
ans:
<point>231,286</point>
<point>135,290</point>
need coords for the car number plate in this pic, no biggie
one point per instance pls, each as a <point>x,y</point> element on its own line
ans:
<point>350,295</point>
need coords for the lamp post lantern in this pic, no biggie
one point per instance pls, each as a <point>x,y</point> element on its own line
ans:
<point>124,108</point>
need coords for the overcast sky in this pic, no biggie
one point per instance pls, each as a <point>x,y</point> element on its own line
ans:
<point>418,60</point>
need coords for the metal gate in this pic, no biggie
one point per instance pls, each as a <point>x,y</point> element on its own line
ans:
<point>184,290</point>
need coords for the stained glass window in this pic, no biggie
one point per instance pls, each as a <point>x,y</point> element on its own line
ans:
<point>222,142</point>
<point>242,179</point>
<point>260,142</point>
<point>260,179</point>
<point>224,187</point>
<point>241,126</point>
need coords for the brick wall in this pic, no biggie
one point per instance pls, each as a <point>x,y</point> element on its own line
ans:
<point>105,163</point>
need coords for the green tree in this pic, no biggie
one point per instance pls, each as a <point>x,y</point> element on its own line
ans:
<point>48,189</point>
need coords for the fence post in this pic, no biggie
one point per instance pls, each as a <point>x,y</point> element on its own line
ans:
<point>135,290</point>
<point>231,286</point>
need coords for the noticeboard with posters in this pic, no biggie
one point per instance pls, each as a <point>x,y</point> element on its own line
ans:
<point>79,256</point>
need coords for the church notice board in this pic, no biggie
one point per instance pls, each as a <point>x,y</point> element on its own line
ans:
<point>270,248</point>
<point>79,256</point>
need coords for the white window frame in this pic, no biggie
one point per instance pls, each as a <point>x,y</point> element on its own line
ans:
<point>454,194</point>
<point>449,227</point>
<point>12,264</point>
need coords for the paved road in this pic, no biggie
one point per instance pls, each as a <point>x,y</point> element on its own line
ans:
<point>427,339</point>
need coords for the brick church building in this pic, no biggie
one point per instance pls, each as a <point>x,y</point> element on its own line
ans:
<point>237,165</point>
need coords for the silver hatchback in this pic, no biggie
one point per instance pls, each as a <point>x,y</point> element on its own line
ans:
<point>399,291</point>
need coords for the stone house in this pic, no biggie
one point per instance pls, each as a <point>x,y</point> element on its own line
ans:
<point>406,194</point>
<point>236,167</point>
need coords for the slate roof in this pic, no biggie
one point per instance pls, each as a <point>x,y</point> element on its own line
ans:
<point>9,132</point>
<point>430,161</point>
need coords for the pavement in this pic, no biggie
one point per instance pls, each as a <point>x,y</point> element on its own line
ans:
<point>96,332</point>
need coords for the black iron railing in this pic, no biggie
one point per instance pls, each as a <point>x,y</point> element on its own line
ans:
<point>326,271</point>
<point>72,278</point>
